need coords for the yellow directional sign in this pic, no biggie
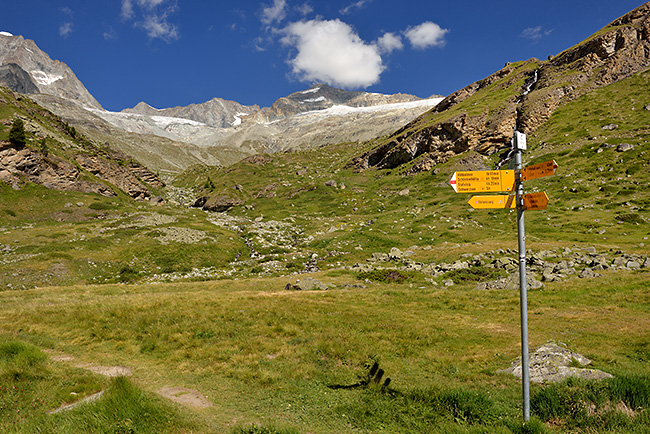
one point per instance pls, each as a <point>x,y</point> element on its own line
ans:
<point>535,201</point>
<point>493,202</point>
<point>483,181</point>
<point>532,201</point>
<point>540,170</point>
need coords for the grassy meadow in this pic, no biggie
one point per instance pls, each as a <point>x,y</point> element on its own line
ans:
<point>266,357</point>
<point>192,299</point>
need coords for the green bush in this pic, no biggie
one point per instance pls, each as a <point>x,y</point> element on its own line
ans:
<point>17,134</point>
<point>97,206</point>
<point>473,274</point>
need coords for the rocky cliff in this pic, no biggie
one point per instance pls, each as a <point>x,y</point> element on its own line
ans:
<point>482,116</point>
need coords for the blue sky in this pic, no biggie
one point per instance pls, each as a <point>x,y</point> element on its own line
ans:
<point>178,52</point>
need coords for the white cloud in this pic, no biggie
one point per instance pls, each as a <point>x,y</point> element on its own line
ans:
<point>357,5</point>
<point>534,33</point>
<point>332,52</point>
<point>389,43</point>
<point>65,29</point>
<point>109,34</point>
<point>426,35</point>
<point>274,13</point>
<point>152,16</point>
<point>158,27</point>
<point>305,9</point>
<point>127,10</point>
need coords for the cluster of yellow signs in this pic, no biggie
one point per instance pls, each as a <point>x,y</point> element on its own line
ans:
<point>502,181</point>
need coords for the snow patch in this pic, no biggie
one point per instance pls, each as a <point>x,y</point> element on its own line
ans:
<point>165,121</point>
<point>5,34</point>
<point>44,78</point>
<point>159,121</point>
<point>314,90</point>
<point>339,110</point>
<point>152,107</point>
<point>237,120</point>
<point>320,98</point>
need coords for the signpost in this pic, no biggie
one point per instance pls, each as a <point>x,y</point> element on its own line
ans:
<point>511,181</point>
<point>483,181</point>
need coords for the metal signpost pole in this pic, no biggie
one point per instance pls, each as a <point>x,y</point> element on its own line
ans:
<point>519,143</point>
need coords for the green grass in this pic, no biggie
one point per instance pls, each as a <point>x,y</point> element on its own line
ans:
<point>268,357</point>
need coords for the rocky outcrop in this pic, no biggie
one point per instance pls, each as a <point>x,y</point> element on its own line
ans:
<point>474,119</point>
<point>217,204</point>
<point>18,165</point>
<point>112,172</point>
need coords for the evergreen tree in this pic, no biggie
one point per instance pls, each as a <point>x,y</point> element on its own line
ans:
<point>17,134</point>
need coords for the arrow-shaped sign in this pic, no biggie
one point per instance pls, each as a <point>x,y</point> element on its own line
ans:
<point>540,170</point>
<point>535,201</point>
<point>532,201</point>
<point>493,202</point>
<point>483,181</point>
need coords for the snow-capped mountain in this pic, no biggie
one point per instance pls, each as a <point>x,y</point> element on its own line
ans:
<point>25,66</point>
<point>214,132</point>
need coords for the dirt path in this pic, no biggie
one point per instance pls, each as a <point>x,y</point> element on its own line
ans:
<point>180,395</point>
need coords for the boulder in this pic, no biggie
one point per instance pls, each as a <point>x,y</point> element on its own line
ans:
<point>308,284</point>
<point>624,147</point>
<point>510,283</point>
<point>553,363</point>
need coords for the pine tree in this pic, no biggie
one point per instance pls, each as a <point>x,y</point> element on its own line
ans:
<point>17,133</point>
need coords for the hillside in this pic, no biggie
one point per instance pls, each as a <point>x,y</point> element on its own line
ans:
<point>54,154</point>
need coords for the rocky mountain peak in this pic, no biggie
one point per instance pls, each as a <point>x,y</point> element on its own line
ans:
<point>49,76</point>
<point>217,112</point>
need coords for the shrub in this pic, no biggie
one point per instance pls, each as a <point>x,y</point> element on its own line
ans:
<point>473,274</point>
<point>17,133</point>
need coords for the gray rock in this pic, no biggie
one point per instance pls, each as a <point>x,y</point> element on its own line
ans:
<point>395,254</point>
<point>624,147</point>
<point>646,263</point>
<point>448,282</point>
<point>331,183</point>
<point>552,363</point>
<point>510,283</point>
<point>588,273</point>
<point>609,127</point>
<point>404,192</point>
<point>382,257</point>
<point>307,284</point>
<point>634,265</point>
